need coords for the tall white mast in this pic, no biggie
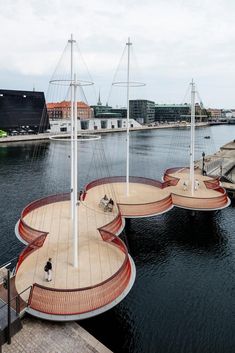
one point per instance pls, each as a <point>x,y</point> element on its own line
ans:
<point>75,179</point>
<point>192,145</point>
<point>128,119</point>
<point>72,41</point>
<point>74,211</point>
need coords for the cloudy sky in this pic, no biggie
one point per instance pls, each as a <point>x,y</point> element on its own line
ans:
<point>173,40</point>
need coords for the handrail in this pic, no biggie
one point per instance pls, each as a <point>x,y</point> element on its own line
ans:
<point>24,227</point>
<point>31,247</point>
<point>87,298</point>
<point>121,276</point>
<point>119,179</point>
<point>17,297</point>
<point>95,296</point>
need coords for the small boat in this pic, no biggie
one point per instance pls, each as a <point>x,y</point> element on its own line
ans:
<point>207,137</point>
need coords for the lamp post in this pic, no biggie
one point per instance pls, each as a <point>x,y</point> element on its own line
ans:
<point>203,163</point>
<point>7,286</point>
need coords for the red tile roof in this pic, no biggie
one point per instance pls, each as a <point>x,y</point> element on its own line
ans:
<point>67,104</point>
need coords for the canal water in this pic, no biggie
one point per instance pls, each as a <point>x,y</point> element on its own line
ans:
<point>183,300</point>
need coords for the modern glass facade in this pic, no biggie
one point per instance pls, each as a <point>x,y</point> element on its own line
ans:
<point>142,111</point>
<point>172,112</point>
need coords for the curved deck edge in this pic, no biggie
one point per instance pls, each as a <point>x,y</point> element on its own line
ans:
<point>92,313</point>
<point>17,233</point>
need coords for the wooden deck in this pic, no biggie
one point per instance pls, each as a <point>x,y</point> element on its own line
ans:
<point>105,270</point>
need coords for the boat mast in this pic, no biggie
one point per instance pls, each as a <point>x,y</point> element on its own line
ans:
<point>72,41</point>
<point>75,179</point>
<point>192,145</point>
<point>128,119</point>
<point>73,157</point>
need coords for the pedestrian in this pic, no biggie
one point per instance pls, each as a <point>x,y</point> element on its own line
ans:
<point>80,195</point>
<point>185,185</point>
<point>48,270</point>
<point>196,184</point>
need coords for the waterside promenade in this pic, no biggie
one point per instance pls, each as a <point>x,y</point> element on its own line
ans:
<point>221,164</point>
<point>48,337</point>
<point>46,136</point>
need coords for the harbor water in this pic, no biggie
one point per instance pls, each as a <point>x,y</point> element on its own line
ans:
<point>183,299</point>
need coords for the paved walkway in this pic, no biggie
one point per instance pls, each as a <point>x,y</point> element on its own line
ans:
<point>48,337</point>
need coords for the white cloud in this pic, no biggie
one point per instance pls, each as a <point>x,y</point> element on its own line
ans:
<point>174,40</point>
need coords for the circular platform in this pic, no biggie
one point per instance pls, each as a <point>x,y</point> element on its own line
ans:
<point>106,272</point>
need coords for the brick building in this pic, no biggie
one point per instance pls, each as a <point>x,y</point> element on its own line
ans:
<point>61,110</point>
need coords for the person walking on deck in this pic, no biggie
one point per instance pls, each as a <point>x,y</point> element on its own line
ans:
<point>48,270</point>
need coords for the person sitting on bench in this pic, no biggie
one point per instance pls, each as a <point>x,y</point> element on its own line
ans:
<point>110,205</point>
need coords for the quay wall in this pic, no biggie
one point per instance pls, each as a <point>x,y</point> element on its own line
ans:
<point>46,136</point>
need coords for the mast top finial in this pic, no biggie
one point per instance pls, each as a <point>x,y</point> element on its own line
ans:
<point>129,41</point>
<point>71,40</point>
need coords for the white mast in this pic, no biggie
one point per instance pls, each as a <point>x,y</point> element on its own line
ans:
<point>74,211</point>
<point>72,41</point>
<point>192,145</point>
<point>128,119</point>
<point>75,179</point>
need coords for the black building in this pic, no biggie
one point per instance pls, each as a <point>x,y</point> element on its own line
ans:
<point>22,111</point>
<point>142,110</point>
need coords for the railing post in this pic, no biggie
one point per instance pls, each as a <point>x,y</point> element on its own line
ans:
<point>8,306</point>
<point>18,304</point>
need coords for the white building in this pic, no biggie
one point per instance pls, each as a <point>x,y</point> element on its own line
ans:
<point>64,125</point>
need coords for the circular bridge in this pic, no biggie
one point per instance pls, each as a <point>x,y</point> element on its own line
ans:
<point>106,271</point>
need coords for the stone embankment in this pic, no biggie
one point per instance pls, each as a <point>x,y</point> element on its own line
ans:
<point>46,136</point>
<point>48,337</point>
<point>222,164</point>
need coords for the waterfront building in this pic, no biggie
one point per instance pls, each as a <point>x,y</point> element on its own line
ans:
<point>23,111</point>
<point>142,110</point>
<point>62,110</point>
<point>121,111</point>
<point>215,114</point>
<point>179,112</point>
<point>64,125</point>
<point>172,112</point>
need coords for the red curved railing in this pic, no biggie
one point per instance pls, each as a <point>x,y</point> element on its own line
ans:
<point>78,301</point>
<point>147,209</point>
<point>170,180</point>
<point>34,245</point>
<point>213,183</point>
<point>138,210</point>
<point>28,233</point>
<point>74,301</point>
<point>201,203</point>
<point>121,179</point>
<point>114,226</point>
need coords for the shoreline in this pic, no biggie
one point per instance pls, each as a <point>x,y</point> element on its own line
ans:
<point>47,135</point>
